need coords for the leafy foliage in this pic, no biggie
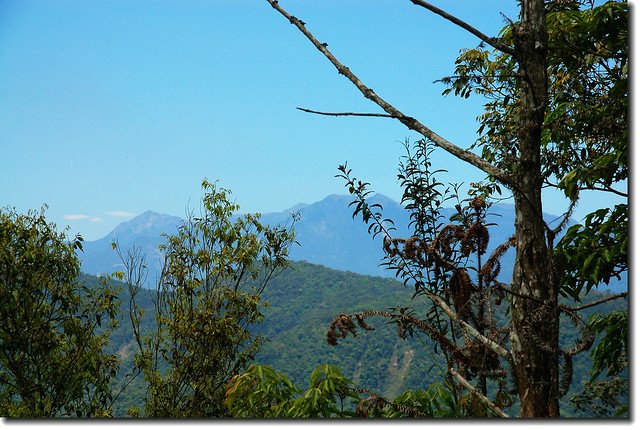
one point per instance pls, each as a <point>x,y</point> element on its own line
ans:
<point>585,131</point>
<point>611,351</point>
<point>445,265</point>
<point>207,303</point>
<point>436,401</point>
<point>586,123</point>
<point>609,396</point>
<point>261,392</point>
<point>53,330</point>
<point>301,303</point>
<point>597,250</point>
<point>602,398</point>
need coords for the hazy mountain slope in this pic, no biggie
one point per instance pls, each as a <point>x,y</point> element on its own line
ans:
<point>326,232</point>
<point>144,231</point>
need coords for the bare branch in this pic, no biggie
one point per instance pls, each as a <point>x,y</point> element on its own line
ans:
<point>502,287</point>
<point>468,328</point>
<point>473,390</point>
<point>604,189</point>
<point>598,302</point>
<point>412,123</point>
<point>496,43</point>
<point>381,115</point>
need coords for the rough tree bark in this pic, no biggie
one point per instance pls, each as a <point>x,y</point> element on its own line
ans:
<point>534,363</point>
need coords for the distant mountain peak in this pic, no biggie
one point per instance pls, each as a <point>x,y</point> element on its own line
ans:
<point>347,198</point>
<point>381,198</point>
<point>296,207</point>
<point>148,223</point>
<point>335,198</point>
<point>147,214</point>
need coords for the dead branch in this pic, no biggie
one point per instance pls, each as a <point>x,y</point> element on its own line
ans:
<point>468,328</point>
<point>605,189</point>
<point>473,390</point>
<point>492,41</point>
<point>502,287</point>
<point>381,115</point>
<point>598,302</point>
<point>501,175</point>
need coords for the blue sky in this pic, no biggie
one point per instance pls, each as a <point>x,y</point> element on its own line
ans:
<point>113,107</point>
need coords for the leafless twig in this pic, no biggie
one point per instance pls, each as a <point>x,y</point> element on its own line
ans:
<point>381,115</point>
<point>473,390</point>
<point>412,123</point>
<point>598,302</point>
<point>496,43</point>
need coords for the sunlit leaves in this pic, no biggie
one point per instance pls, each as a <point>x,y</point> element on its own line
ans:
<point>585,128</point>
<point>606,397</point>
<point>52,330</point>
<point>261,392</point>
<point>216,266</point>
<point>595,251</point>
<point>611,352</point>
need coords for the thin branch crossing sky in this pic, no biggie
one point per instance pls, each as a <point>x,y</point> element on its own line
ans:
<point>111,108</point>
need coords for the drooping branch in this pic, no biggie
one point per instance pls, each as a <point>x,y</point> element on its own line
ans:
<point>565,219</point>
<point>342,324</point>
<point>380,115</point>
<point>492,41</point>
<point>587,337</point>
<point>411,123</point>
<point>473,390</point>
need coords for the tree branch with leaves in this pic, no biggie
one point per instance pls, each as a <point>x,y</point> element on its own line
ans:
<point>556,95</point>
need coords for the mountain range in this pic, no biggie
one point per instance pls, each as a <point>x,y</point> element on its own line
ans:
<point>305,297</point>
<point>326,232</point>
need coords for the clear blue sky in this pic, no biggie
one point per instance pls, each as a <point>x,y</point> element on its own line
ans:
<point>111,108</point>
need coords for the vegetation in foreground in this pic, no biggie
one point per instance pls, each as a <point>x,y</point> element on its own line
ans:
<point>556,95</point>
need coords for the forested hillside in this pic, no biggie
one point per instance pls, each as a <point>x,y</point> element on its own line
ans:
<point>302,302</point>
<point>494,285</point>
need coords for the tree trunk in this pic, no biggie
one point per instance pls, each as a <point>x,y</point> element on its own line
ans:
<point>534,328</point>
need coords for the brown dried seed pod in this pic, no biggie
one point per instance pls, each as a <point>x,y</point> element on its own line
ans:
<point>444,240</point>
<point>481,358</point>
<point>339,328</point>
<point>392,246</point>
<point>491,269</point>
<point>461,288</point>
<point>411,248</point>
<point>478,237</point>
<point>477,203</point>
<point>362,323</point>
<point>567,374</point>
